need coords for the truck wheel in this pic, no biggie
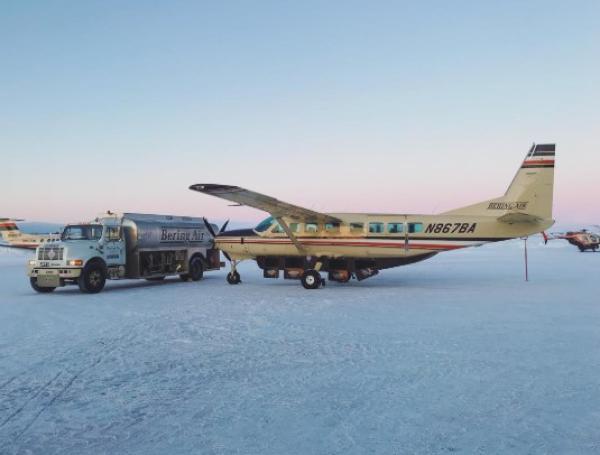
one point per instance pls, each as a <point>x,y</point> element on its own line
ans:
<point>196,269</point>
<point>36,288</point>
<point>92,279</point>
<point>234,278</point>
<point>311,279</point>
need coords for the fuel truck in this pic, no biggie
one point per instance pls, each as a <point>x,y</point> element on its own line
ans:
<point>125,246</point>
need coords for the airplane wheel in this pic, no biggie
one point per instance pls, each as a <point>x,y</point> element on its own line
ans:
<point>234,278</point>
<point>311,279</point>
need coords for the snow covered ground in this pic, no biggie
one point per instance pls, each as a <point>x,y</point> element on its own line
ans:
<point>455,354</point>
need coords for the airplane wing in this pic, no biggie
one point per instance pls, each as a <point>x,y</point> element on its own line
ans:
<point>275,207</point>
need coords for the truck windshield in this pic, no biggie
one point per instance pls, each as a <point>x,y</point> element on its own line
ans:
<point>82,232</point>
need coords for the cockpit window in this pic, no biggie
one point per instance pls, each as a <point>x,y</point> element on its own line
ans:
<point>264,224</point>
<point>82,232</point>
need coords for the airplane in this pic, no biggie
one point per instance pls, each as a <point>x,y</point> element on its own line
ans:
<point>584,239</point>
<point>11,236</point>
<point>303,243</point>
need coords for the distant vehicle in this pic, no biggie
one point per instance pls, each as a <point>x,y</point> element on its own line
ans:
<point>584,240</point>
<point>131,245</point>
<point>11,236</point>
<point>302,242</point>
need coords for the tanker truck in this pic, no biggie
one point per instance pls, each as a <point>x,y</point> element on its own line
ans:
<point>125,246</point>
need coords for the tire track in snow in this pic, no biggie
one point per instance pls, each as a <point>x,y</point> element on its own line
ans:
<point>56,397</point>
<point>4,384</point>
<point>32,397</point>
<point>107,349</point>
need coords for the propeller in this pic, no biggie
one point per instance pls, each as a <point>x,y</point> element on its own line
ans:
<point>223,227</point>
<point>212,232</point>
<point>209,227</point>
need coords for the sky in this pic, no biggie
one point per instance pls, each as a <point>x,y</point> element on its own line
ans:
<point>400,107</point>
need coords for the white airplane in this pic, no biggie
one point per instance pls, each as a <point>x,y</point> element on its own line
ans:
<point>11,236</point>
<point>303,243</point>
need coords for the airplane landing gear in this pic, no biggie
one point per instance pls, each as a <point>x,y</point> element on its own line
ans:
<point>311,279</point>
<point>233,277</point>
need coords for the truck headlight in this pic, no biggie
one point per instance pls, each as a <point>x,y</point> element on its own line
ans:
<point>75,262</point>
<point>32,262</point>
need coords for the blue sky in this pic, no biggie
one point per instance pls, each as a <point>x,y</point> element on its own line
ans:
<point>341,106</point>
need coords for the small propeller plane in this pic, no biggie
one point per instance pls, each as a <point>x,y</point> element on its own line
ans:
<point>11,236</point>
<point>303,243</point>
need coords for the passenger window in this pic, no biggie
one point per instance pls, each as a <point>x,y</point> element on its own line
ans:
<point>311,227</point>
<point>277,229</point>
<point>375,228</point>
<point>332,227</point>
<point>415,227</point>
<point>357,227</point>
<point>294,227</point>
<point>395,228</point>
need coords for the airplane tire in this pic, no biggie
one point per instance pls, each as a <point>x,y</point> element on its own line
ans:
<point>234,278</point>
<point>92,279</point>
<point>36,288</point>
<point>311,279</point>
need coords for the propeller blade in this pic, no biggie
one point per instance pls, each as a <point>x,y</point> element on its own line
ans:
<point>209,227</point>
<point>223,227</point>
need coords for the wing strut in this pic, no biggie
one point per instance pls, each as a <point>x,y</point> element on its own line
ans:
<point>290,234</point>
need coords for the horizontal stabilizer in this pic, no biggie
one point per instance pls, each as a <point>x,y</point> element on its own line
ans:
<point>517,217</point>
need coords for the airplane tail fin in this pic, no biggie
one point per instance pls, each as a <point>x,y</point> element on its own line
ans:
<point>528,197</point>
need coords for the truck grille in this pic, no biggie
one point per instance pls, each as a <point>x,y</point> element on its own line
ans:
<point>50,254</point>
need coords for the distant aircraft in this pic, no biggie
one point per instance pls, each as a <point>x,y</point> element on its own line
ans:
<point>11,236</point>
<point>584,240</point>
<point>302,242</point>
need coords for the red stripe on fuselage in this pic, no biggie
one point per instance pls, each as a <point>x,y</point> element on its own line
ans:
<point>401,244</point>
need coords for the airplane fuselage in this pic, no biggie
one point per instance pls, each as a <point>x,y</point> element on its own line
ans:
<point>374,236</point>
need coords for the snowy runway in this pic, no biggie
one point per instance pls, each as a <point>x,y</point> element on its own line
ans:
<point>455,354</point>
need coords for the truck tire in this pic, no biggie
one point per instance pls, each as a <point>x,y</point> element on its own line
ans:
<point>92,279</point>
<point>196,269</point>
<point>36,288</point>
